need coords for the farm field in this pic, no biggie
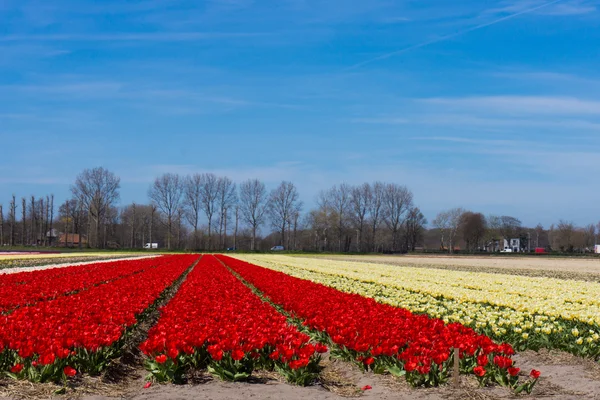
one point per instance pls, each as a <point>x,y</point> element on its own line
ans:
<point>274,326</point>
<point>576,267</point>
<point>28,260</point>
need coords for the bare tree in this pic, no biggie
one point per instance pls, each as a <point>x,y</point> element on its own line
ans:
<point>209,195</point>
<point>32,231</point>
<point>151,223</point>
<point>132,243</point>
<point>414,225</point>
<point>509,227</point>
<point>376,210</point>
<point>472,226</point>
<point>51,205</point>
<point>193,202</point>
<point>226,199</point>
<point>23,221</point>
<point>47,237</point>
<point>589,237</point>
<point>235,231</point>
<point>41,221</point>
<point>283,204</point>
<point>253,206</point>
<point>448,222</point>
<point>13,219</point>
<point>97,189</point>
<point>166,193</point>
<point>564,236</point>
<point>360,203</point>
<point>397,201</point>
<point>338,198</point>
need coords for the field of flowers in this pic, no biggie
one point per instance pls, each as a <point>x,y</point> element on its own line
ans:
<point>231,318</point>
<point>215,321</point>
<point>77,327</point>
<point>384,338</point>
<point>529,313</point>
<point>20,260</point>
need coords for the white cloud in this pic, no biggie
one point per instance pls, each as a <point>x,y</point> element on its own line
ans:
<point>521,104</point>
<point>124,37</point>
<point>557,8</point>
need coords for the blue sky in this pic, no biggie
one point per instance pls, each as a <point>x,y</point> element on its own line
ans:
<point>493,106</point>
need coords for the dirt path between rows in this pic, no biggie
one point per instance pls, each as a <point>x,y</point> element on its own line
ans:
<point>564,376</point>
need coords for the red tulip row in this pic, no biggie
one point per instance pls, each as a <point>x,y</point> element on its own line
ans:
<point>26,288</point>
<point>381,337</point>
<point>216,321</point>
<point>81,331</point>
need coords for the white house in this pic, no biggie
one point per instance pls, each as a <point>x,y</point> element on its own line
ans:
<point>514,246</point>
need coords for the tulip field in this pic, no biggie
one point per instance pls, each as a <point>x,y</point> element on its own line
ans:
<point>527,312</point>
<point>233,317</point>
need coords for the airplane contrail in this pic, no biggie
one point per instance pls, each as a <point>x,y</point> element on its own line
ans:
<point>450,36</point>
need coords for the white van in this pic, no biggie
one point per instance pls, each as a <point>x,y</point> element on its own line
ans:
<point>151,246</point>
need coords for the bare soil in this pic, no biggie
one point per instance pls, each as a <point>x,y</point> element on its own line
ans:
<point>564,376</point>
<point>587,269</point>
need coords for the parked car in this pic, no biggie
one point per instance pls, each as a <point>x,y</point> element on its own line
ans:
<point>506,250</point>
<point>151,246</point>
<point>277,248</point>
<point>231,249</point>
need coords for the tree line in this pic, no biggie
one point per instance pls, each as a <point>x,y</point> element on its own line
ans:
<point>204,211</point>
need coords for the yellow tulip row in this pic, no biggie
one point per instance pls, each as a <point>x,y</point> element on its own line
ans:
<point>570,300</point>
<point>415,290</point>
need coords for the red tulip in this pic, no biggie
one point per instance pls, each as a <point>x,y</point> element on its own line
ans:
<point>321,348</point>
<point>69,371</point>
<point>479,371</point>
<point>237,354</point>
<point>482,360</point>
<point>534,374</point>
<point>161,359</point>
<point>17,368</point>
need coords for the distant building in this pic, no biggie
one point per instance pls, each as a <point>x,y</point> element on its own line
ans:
<point>514,245</point>
<point>72,239</point>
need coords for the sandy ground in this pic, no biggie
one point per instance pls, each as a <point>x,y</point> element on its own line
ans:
<point>24,269</point>
<point>33,255</point>
<point>563,377</point>
<point>493,264</point>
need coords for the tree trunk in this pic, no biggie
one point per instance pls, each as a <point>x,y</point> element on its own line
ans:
<point>150,231</point>
<point>32,230</point>
<point>224,245</point>
<point>51,217</point>
<point>169,227</point>
<point>24,221</point>
<point>13,210</point>
<point>80,227</point>
<point>47,223</point>
<point>295,231</point>
<point>133,227</point>
<point>209,232</point>
<point>235,232</point>
<point>67,225</point>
